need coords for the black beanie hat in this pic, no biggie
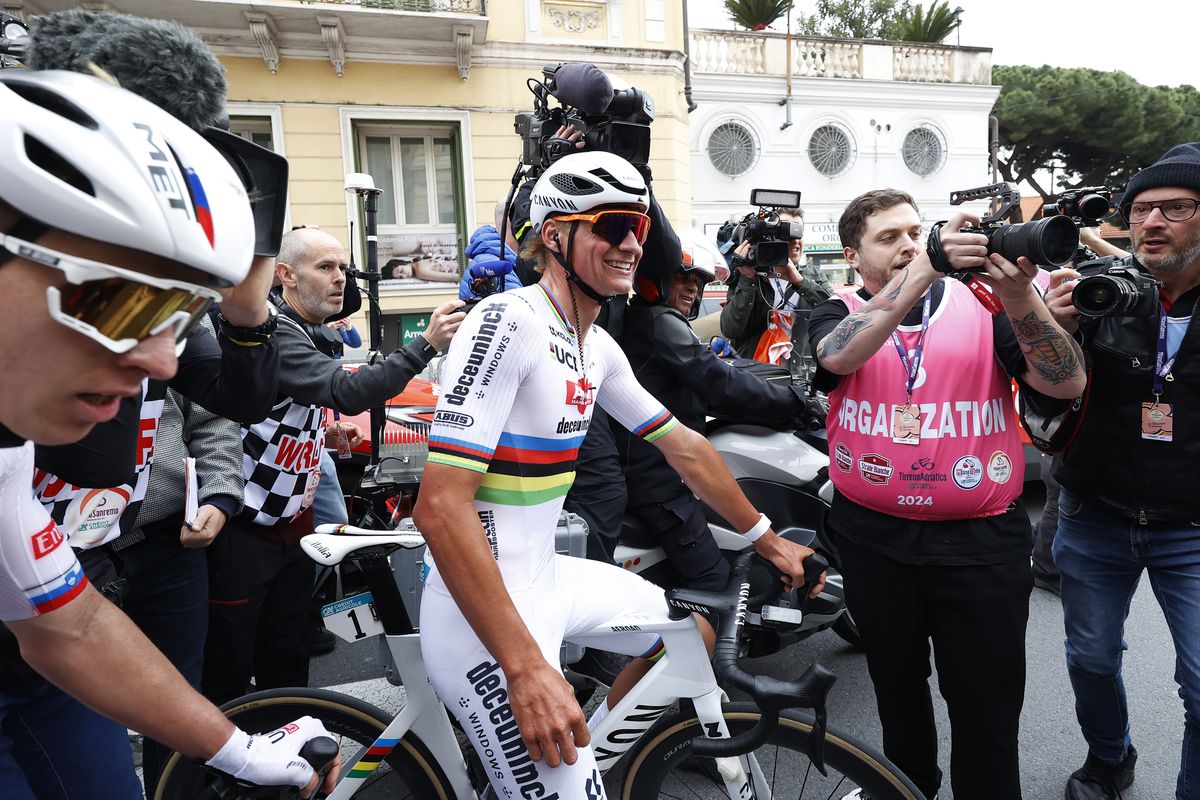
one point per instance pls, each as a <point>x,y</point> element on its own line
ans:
<point>1180,166</point>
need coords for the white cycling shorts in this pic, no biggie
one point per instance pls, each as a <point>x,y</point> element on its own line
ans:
<point>569,597</point>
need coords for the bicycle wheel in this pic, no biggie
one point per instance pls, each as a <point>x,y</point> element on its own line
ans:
<point>662,765</point>
<point>407,771</point>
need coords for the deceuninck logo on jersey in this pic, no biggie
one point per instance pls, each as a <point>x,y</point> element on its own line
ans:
<point>580,394</point>
<point>875,469</point>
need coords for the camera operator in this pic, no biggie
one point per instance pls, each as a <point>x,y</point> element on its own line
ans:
<point>689,380</point>
<point>791,291</point>
<point>927,465</point>
<point>1128,501</point>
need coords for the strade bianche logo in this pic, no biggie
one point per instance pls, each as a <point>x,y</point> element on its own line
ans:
<point>875,469</point>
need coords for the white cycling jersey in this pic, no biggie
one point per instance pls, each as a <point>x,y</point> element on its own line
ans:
<point>516,405</point>
<point>38,570</point>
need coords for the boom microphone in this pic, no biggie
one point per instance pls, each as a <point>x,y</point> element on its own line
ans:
<point>162,61</point>
<point>482,267</point>
<point>584,86</point>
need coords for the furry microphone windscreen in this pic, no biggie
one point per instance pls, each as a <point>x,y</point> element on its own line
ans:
<point>162,61</point>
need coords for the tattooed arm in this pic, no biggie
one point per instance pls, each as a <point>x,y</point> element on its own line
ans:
<point>1053,359</point>
<point>860,335</point>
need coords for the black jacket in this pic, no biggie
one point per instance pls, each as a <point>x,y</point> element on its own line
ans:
<point>689,379</point>
<point>1109,461</point>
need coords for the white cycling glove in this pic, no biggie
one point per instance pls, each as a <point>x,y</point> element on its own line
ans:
<point>270,759</point>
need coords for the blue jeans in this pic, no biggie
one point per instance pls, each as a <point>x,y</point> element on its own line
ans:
<point>52,747</point>
<point>329,506</point>
<point>1101,555</point>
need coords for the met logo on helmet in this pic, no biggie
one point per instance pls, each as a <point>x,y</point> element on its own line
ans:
<point>167,186</point>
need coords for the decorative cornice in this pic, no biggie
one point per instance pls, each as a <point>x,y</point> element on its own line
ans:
<point>335,36</point>
<point>262,28</point>
<point>464,37</point>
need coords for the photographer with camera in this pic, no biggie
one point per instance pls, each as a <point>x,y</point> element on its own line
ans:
<point>928,465</point>
<point>1128,501</point>
<point>769,298</point>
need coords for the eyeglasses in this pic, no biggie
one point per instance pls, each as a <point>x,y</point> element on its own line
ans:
<point>613,226</point>
<point>1178,209</point>
<point>114,306</point>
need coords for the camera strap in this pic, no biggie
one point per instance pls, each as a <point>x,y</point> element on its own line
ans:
<point>983,294</point>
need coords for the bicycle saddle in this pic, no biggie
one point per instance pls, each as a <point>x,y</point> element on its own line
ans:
<point>332,543</point>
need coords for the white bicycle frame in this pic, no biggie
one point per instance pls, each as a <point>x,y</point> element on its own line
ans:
<point>683,672</point>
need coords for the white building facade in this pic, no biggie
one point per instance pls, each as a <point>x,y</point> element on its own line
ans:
<point>863,115</point>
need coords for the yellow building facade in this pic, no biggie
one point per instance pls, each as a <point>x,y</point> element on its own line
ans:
<point>421,95</point>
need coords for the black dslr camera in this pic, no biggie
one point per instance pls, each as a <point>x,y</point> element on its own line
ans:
<point>613,120</point>
<point>1087,207</point>
<point>1112,288</point>
<point>768,234</point>
<point>1051,240</point>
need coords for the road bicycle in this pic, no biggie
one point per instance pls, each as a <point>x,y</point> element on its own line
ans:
<point>675,732</point>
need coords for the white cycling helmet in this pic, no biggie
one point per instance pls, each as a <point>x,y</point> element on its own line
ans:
<point>582,181</point>
<point>86,157</point>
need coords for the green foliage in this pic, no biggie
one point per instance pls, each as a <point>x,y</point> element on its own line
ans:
<point>918,26</point>
<point>854,19</point>
<point>756,14</point>
<point>1093,127</point>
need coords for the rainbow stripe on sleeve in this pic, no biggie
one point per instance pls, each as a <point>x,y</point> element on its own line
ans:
<point>529,470</point>
<point>659,425</point>
<point>459,453</point>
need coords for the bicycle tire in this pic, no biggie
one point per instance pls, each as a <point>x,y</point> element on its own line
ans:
<point>409,770</point>
<point>662,767</point>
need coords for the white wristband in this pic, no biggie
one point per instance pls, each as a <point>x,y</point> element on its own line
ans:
<point>762,526</point>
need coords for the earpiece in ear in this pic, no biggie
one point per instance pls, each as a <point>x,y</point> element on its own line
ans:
<point>557,244</point>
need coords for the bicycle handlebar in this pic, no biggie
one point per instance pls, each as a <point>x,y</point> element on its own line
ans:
<point>319,752</point>
<point>771,695</point>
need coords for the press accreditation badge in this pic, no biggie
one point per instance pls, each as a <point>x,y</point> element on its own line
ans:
<point>343,442</point>
<point>1158,421</point>
<point>906,424</point>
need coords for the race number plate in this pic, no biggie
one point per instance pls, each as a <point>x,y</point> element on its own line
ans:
<point>352,619</point>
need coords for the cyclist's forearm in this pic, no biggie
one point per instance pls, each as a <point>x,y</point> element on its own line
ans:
<point>705,473</point>
<point>94,653</point>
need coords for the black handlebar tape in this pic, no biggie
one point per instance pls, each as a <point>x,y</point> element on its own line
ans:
<point>740,743</point>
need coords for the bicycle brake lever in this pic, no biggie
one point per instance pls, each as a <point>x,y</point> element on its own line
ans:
<point>816,742</point>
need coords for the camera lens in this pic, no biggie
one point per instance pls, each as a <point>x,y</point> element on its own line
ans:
<point>1102,295</point>
<point>1052,241</point>
<point>1094,207</point>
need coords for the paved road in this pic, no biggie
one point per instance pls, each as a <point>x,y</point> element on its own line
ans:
<point>1051,745</point>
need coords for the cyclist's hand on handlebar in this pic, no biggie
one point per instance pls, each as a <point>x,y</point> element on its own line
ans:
<point>547,714</point>
<point>788,557</point>
<point>272,759</point>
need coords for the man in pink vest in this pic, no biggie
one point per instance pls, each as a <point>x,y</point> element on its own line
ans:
<point>927,465</point>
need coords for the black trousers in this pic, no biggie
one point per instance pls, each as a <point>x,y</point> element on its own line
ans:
<point>260,590</point>
<point>682,532</point>
<point>976,618</point>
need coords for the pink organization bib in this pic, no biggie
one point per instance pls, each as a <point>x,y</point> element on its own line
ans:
<point>954,452</point>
